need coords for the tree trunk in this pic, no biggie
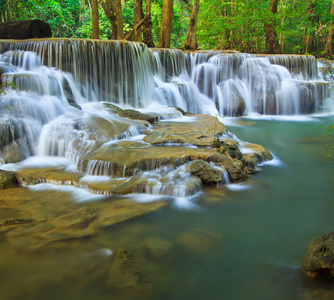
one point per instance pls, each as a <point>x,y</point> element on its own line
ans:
<point>25,30</point>
<point>110,13</point>
<point>191,40</point>
<point>166,24</point>
<point>272,45</point>
<point>309,43</point>
<point>329,47</point>
<point>138,15</point>
<point>147,27</point>
<point>95,20</point>
<point>119,19</point>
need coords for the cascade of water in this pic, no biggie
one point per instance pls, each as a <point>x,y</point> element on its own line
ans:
<point>63,102</point>
<point>129,74</point>
<point>169,181</point>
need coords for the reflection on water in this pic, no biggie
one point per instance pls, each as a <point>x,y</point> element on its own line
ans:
<point>240,243</point>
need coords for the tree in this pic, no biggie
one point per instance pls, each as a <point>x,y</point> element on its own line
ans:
<point>272,45</point>
<point>147,27</point>
<point>119,18</point>
<point>138,15</point>
<point>191,39</point>
<point>95,20</point>
<point>109,10</point>
<point>329,47</point>
<point>166,24</point>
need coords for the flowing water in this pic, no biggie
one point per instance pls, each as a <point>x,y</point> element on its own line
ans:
<point>245,243</point>
<point>235,241</point>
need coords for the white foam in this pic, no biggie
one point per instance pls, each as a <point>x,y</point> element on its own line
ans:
<point>147,198</point>
<point>275,162</point>
<point>238,186</point>
<point>40,162</point>
<point>184,119</point>
<point>77,194</point>
<point>186,203</point>
<point>291,118</point>
<point>94,178</point>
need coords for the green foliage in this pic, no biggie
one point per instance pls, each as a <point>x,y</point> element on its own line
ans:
<point>179,24</point>
<point>330,131</point>
<point>3,87</point>
<point>240,24</point>
<point>301,25</point>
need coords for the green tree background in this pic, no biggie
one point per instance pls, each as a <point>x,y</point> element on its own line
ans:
<point>302,26</point>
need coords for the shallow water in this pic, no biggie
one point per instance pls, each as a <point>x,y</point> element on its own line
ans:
<point>235,243</point>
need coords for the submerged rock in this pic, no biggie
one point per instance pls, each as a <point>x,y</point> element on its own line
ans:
<point>157,247</point>
<point>200,240</point>
<point>38,220</point>
<point>126,273</point>
<point>14,221</point>
<point>319,256</point>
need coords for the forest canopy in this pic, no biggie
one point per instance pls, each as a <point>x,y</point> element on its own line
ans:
<point>294,26</point>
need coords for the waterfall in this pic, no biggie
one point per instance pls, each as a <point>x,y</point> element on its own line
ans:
<point>131,75</point>
<point>64,96</point>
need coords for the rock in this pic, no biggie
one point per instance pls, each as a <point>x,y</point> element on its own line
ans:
<point>25,29</point>
<point>112,108</point>
<point>138,156</point>
<point>106,129</point>
<point>234,167</point>
<point>156,247</point>
<point>7,180</point>
<point>319,256</point>
<point>15,221</point>
<point>41,219</point>
<point>229,146</point>
<point>15,152</point>
<point>136,115</point>
<point>200,240</point>
<point>199,131</point>
<point>205,172</point>
<point>48,175</point>
<point>234,103</point>
<point>179,109</point>
<point>126,273</point>
<point>261,153</point>
<point>250,163</point>
<point>14,145</point>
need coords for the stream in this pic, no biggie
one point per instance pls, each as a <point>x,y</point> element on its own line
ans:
<point>241,242</point>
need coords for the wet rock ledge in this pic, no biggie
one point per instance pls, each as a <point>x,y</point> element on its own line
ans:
<point>197,145</point>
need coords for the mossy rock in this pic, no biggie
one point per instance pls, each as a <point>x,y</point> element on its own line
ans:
<point>319,256</point>
<point>7,180</point>
<point>205,172</point>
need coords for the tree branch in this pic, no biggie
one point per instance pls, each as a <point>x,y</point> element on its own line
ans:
<point>132,32</point>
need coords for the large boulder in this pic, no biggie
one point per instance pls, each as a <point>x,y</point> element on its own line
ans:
<point>26,29</point>
<point>319,256</point>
